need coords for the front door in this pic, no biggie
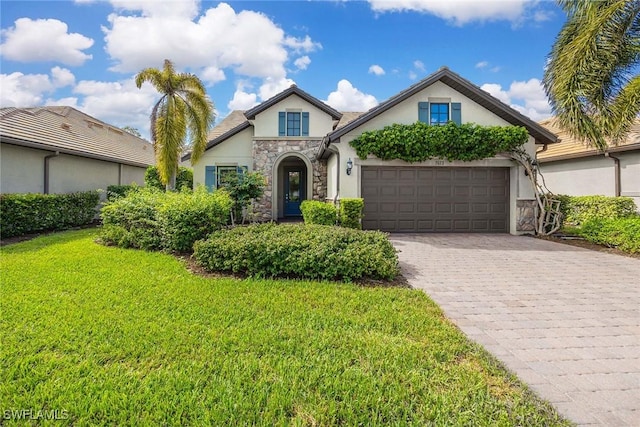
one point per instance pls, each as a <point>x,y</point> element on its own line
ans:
<point>294,183</point>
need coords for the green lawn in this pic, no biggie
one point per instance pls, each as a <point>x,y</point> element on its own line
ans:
<point>125,337</point>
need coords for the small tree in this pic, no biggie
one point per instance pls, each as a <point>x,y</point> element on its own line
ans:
<point>243,189</point>
<point>133,131</point>
<point>184,178</point>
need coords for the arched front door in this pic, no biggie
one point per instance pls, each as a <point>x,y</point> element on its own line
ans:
<point>292,187</point>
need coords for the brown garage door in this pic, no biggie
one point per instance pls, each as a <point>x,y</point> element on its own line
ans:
<point>436,199</point>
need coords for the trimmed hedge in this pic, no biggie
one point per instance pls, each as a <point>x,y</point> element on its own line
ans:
<point>116,191</point>
<point>299,251</point>
<point>153,220</point>
<point>32,213</point>
<point>317,212</point>
<point>622,233</point>
<point>351,212</point>
<point>184,178</point>
<point>579,209</point>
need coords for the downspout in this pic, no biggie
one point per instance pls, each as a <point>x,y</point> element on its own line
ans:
<point>616,172</point>
<point>46,170</point>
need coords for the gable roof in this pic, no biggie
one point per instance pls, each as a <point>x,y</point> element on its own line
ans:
<point>293,89</point>
<point>234,123</point>
<point>465,87</point>
<point>571,147</point>
<point>70,131</point>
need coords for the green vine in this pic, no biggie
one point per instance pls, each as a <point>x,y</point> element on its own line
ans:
<point>418,142</point>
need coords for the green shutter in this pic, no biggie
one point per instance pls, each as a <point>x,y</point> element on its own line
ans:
<point>210,177</point>
<point>282,123</point>
<point>305,124</point>
<point>423,112</point>
<point>456,113</point>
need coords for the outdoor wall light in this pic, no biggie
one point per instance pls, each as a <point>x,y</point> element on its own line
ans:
<point>349,166</point>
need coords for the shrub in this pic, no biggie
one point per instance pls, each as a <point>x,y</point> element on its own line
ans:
<point>351,212</point>
<point>31,213</point>
<point>116,191</point>
<point>299,250</point>
<point>243,188</point>
<point>152,220</point>
<point>184,178</point>
<point>579,209</point>
<point>317,212</point>
<point>622,233</point>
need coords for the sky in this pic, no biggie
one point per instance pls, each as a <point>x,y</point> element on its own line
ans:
<point>350,54</point>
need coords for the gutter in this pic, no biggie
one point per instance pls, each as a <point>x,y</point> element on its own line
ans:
<point>46,170</point>
<point>616,171</point>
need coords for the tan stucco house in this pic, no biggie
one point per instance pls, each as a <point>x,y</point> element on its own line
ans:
<point>575,168</point>
<point>301,145</point>
<point>62,150</point>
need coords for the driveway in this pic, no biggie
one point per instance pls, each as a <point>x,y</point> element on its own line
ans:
<point>566,320</point>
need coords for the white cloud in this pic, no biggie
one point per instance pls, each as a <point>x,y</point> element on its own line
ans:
<point>459,12</point>
<point>247,42</point>
<point>29,90</point>
<point>212,75</point>
<point>377,70</point>
<point>528,97</point>
<point>302,63</point>
<point>44,40</point>
<point>482,64</point>
<point>418,65</point>
<point>348,98</point>
<point>182,8</point>
<point>271,87</point>
<point>412,75</point>
<point>242,100</point>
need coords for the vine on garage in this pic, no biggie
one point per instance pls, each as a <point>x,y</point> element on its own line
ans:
<point>467,142</point>
<point>419,142</point>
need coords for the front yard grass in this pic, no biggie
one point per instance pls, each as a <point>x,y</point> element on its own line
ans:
<point>125,337</point>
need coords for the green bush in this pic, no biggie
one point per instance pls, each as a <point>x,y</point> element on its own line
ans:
<point>184,178</point>
<point>351,212</point>
<point>116,191</point>
<point>243,188</point>
<point>299,251</point>
<point>152,220</point>
<point>32,213</point>
<point>317,212</point>
<point>622,233</point>
<point>579,209</point>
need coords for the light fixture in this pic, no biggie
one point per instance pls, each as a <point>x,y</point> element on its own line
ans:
<point>349,166</point>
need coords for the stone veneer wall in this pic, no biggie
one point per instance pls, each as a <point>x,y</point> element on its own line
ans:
<point>526,215</point>
<point>265,154</point>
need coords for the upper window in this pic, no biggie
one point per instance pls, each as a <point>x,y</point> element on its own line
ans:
<point>438,113</point>
<point>293,124</point>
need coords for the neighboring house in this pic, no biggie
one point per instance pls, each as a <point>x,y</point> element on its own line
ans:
<point>301,145</point>
<point>62,150</point>
<point>572,167</point>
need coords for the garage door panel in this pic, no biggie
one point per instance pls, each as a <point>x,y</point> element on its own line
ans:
<point>435,199</point>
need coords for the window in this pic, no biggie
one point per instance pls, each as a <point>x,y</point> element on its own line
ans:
<point>293,124</point>
<point>223,173</point>
<point>438,114</point>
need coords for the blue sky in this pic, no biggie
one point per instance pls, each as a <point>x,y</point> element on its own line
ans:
<point>350,54</point>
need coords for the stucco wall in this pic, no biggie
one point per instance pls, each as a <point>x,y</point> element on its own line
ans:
<point>332,170</point>
<point>407,112</point>
<point>22,171</point>
<point>594,175</point>
<point>266,123</point>
<point>235,151</point>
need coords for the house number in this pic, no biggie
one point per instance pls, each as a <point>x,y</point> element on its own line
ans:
<point>439,162</point>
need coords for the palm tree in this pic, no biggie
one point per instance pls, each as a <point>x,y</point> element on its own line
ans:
<point>184,109</point>
<point>592,77</point>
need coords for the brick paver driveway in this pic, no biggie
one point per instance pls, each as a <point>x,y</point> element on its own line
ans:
<point>566,320</point>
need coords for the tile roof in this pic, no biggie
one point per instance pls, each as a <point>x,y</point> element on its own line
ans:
<point>293,89</point>
<point>570,147</point>
<point>347,118</point>
<point>70,131</point>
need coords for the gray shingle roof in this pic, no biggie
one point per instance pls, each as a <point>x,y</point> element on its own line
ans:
<point>70,131</point>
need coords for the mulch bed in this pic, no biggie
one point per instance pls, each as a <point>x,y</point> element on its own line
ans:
<point>581,243</point>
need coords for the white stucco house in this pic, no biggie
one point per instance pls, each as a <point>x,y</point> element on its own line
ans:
<point>572,167</point>
<point>302,147</point>
<point>63,150</point>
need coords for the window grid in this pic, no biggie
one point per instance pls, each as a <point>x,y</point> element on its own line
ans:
<point>293,124</point>
<point>438,114</point>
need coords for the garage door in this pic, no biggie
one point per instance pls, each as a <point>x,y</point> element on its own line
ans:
<point>436,199</point>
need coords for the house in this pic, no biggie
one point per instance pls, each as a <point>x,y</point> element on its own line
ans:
<point>62,150</point>
<point>301,145</point>
<point>577,169</point>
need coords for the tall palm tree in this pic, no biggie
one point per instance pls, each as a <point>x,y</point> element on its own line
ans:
<point>184,109</point>
<point>592,74</point>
